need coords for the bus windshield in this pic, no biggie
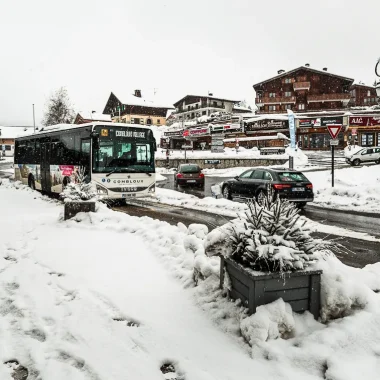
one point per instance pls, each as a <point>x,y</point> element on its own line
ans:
<point>120,154</point>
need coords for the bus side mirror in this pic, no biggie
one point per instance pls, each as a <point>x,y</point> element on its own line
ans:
<point>155,146</point>
<point>95,142</point>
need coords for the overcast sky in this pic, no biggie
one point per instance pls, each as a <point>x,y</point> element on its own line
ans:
<point>93,47</point>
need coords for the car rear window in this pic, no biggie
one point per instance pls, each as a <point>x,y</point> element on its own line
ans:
<point>292,177</point>
<point>190,169</point>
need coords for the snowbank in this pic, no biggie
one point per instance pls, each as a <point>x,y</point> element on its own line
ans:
<point>108,295</point>
<point>356,188</point>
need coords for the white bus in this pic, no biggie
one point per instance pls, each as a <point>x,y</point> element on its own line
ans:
<point>118,158</point>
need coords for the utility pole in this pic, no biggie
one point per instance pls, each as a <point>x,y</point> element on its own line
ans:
<point>34,121</point>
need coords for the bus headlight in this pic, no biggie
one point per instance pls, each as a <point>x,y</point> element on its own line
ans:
<point>101,190</point>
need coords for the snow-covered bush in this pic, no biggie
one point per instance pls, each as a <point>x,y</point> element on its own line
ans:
<point>80,189</point>
<point>269,238</point>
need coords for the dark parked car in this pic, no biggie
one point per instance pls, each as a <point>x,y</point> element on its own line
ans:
<point>286,183</point>
<point>189,174</point>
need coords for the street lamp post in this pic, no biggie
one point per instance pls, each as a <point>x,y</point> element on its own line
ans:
<point>34,121</point>
<point>377,72</point>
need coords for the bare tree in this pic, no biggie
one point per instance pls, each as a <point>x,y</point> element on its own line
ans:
<point>58,109</point>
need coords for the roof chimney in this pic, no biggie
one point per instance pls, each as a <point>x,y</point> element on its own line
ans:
<point>325,69</point>
<point>280,71</point>
<point>138,93</point>
<point>307,64</point>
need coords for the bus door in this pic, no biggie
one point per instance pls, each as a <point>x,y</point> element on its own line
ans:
<point>85,150</point>
<point>45,166</point>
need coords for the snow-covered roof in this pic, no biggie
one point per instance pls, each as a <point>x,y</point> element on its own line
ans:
<point>205,96</point>
<point>279,136</point>
<point>132,100</point>
<point>286,73</point>
<point>95,116</point>
<point>13,132</point>
<point>237,107</point>
<point>267,117</point>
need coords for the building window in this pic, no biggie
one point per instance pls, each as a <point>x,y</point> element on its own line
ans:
<point>288,106</point>
<point>272,94</point>
<point>158,121</point>
<point>272,108</point>
<point>367,139</point>
<point>288,80</point>
<point>287,93</point>
<point>369,93</point>
<point>301,106</point>
<point>148,121</point>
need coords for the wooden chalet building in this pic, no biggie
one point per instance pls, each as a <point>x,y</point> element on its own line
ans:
<point>134,109</point>
<point>87,117</point>
<point>193,106</point>
<point>303,90</point>
<point>363,96</point>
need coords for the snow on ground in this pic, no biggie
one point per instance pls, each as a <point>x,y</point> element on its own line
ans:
<point>110,296</point>
<point>355,188</point>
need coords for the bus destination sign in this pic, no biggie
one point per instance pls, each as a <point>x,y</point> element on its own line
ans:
<point>136,134</point>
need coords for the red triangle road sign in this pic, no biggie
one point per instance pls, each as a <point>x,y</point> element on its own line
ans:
<point>334,130</point>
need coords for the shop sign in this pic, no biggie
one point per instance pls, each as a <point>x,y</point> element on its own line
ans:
<point>217,142</point>
<point>364,121</point>
<point>174,133</point>
<point>212,162</point>
<point>354,132</point>
<point>302,123</point>
<point>325,121</point>
<point>198,132</point>
<point>232,127</point>
<point>266,125</point>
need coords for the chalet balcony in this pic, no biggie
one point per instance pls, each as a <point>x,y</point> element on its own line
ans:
<point>345,98</point>
<point>298,86</point>
<point>276,100</point>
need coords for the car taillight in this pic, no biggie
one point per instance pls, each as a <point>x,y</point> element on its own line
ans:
<point>309,186</point>
<point>179,175</point>
<point>201,175</point>
<point>281,187</point>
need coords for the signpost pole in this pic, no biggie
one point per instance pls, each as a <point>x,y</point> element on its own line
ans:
<point>334,130</point>
<point>332,165</point>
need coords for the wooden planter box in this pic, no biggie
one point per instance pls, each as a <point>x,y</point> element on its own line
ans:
<point>73,208</point>
<point>300,289</point>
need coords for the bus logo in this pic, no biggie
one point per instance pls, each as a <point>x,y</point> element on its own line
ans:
<point>104,133</point>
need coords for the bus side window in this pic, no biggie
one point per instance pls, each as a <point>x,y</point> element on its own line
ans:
<point>54,154</point>
<point>67,141</point>
<point>37,152</point>
<point>29,154</point>
<point>85,153</point>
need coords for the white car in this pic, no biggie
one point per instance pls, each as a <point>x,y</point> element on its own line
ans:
<point>365,155</point>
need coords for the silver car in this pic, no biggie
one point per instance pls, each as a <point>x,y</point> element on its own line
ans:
<point>365,155</point>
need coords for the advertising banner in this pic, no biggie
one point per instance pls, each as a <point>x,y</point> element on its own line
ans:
<point>325,121</point>
<point>364,121</point>
<point>292,129</point>
<point>312,123</point>
<point>267,124</point>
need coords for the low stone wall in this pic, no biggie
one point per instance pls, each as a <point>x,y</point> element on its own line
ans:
<point>223,163</point>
